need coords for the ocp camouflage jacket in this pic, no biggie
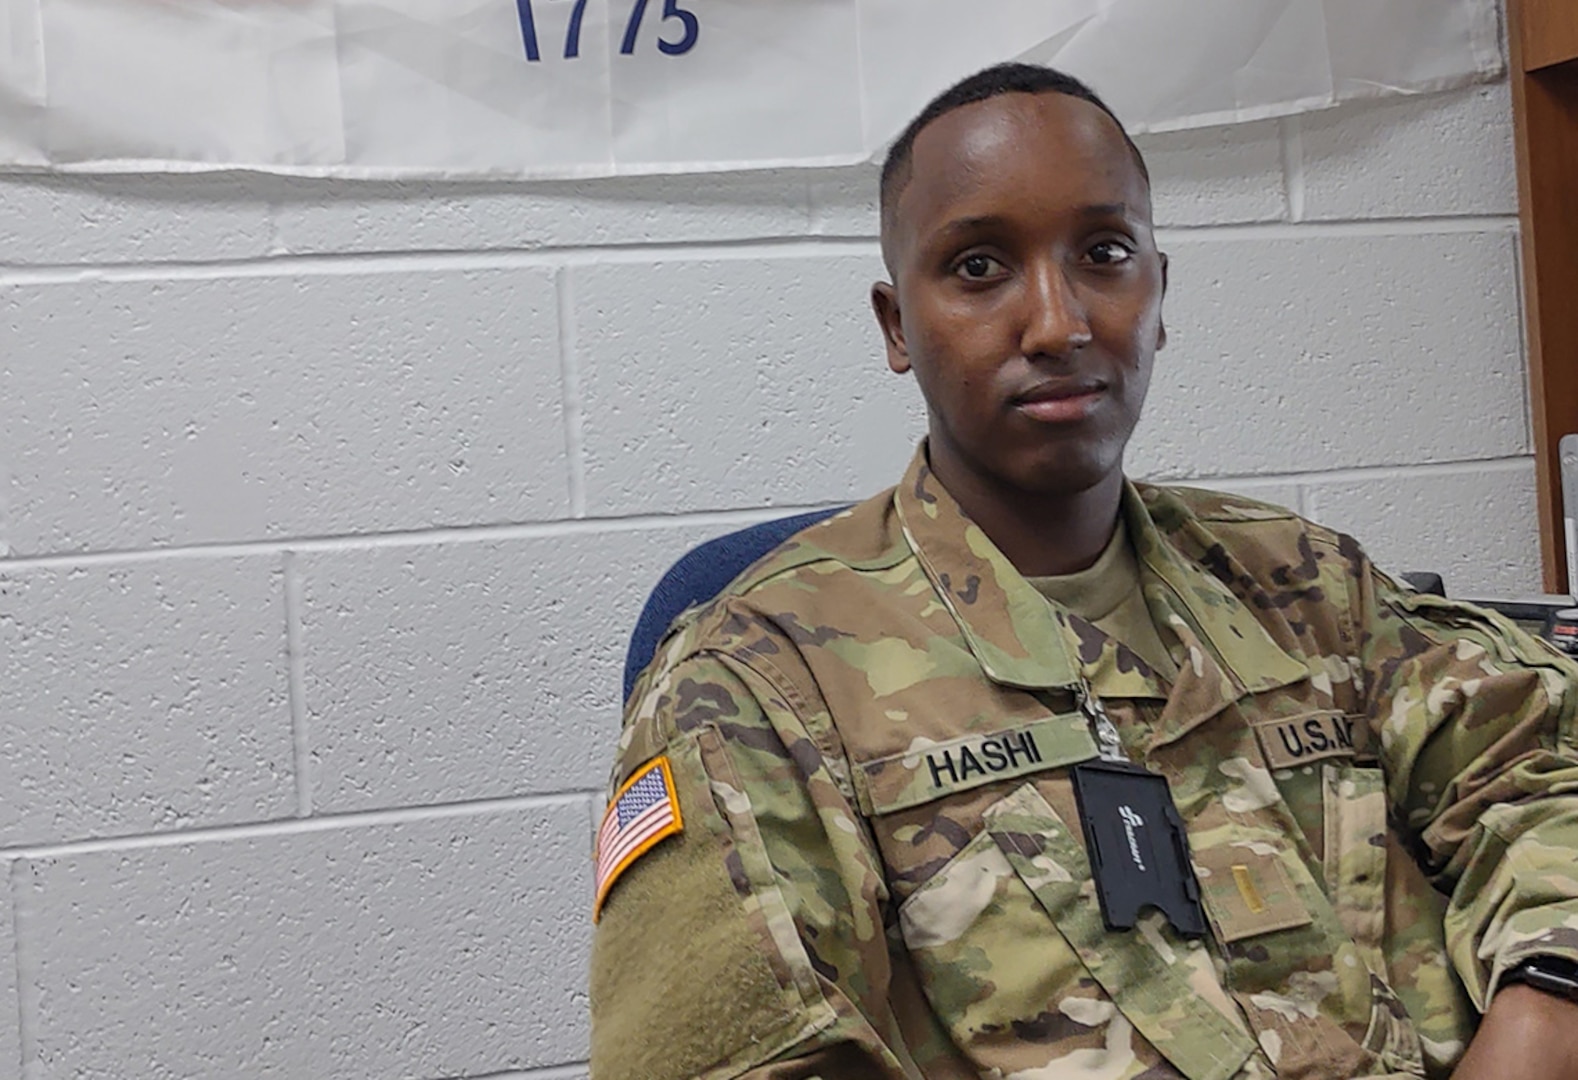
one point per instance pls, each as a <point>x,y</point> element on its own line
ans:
<point>882,873</point>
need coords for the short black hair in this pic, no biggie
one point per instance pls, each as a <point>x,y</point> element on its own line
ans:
<point>999,79</point>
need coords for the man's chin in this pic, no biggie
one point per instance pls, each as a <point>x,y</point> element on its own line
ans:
<point>1069,477</point>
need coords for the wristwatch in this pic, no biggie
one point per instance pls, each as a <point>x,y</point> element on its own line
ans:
<point>1552,974</point>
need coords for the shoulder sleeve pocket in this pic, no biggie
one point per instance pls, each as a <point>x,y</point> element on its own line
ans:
<point>697,969</point>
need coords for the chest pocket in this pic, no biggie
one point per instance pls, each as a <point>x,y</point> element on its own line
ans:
<point>1355,833</point>
<point>1314,986</point>
<point>1341,806</point>
<point>1353,828</point>
<point>1008,941</point>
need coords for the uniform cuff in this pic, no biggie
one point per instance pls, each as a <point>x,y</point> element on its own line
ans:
<point>1548,930</point>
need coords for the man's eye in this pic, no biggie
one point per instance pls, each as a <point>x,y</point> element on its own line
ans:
<point>978,267</point>
<point>1110,253</point>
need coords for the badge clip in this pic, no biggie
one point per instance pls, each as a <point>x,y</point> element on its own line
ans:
<point>1138,847</point>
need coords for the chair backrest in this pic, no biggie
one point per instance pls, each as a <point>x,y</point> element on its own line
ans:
<point>699,575</point>
<point>1426,582</point>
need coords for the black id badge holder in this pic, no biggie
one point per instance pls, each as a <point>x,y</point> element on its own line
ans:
<point>1139,850</point>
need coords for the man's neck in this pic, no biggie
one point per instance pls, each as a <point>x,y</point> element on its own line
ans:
<point>1043,535</point>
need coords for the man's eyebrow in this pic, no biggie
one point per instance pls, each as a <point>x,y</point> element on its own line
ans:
<point>970,224</point>
<point>1117,209</point>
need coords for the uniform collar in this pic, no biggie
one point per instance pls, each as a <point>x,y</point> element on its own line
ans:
<point>1190,563</point>
<point>1016,635</point>
<point>1020,639</point>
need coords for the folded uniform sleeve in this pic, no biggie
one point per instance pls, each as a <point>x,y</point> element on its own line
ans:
<point>1478,729</point>
<point>749,942</point>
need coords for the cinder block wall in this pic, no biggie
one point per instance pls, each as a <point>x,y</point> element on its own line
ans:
<point>327,509</point>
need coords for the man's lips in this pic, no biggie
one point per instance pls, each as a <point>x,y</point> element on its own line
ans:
<point>1059,402</point>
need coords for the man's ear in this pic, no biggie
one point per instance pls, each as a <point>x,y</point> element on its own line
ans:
<point>1161,323</point>
<point>885,302</point>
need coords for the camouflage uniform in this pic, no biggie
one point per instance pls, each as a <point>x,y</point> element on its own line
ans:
<point>882,873</point>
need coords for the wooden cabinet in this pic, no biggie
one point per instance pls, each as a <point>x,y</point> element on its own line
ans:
<point>1549,33</point>
<point>1543,36</point>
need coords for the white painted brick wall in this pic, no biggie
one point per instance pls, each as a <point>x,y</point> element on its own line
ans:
<point>142,696</point>
<point>440,672</point>
<point>1336,351</point>
<point>764,363</point>
<point>326,509</point>
<point>10,1034</point>
<point>228,406</point>
<point>446,947</point>
<point>1434,156</point>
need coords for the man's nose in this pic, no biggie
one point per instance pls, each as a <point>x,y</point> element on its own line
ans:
<point>1055,320</point>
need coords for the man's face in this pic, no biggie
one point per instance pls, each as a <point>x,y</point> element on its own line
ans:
<point>1027,293</point>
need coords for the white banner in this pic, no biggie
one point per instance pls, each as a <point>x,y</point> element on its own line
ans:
<point>558,88</point>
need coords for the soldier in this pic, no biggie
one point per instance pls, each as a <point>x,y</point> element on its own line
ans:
<point>1024,770</point>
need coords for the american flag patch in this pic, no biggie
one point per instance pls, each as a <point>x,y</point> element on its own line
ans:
<point>645,811</point>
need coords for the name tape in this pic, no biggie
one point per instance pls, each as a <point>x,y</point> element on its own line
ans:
<point>989,756</point>
<point>1301,740</point>
<point>926,772</point>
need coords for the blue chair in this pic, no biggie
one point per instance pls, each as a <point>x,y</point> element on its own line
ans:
<point>699,575</point>
<point>1425,582</point>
